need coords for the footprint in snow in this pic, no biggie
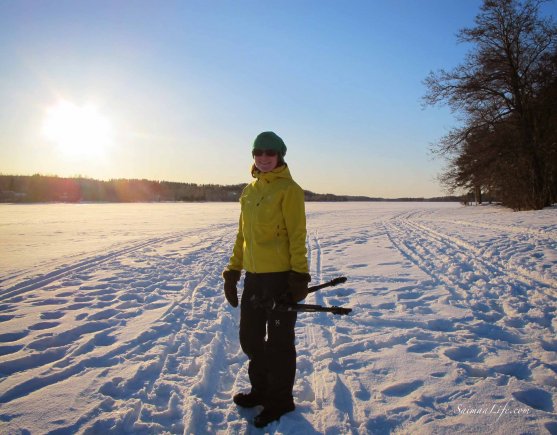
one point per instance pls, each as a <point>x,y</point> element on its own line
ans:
<point>29,362</point>
<point>43,325</point>
<point>6,317</point>
<point>6,350</point>
<point>84,298</point>
<point>67,337</point>
<point>77,306</point>
<point>550,346</point>
<point>402,389</point>
<point>535,398</point>
<point>103,314</point>
<point>106,298</point>
<point>52,315</point>
<point>155,305</point>
<point>12,336</point>
<point>386,306</point>
<point>464,353</point>
<point>440,325</point>
<point>495,332</point>
<point>476,372</point>
<point>357,266</point>
<point>408,295</point>
<point>516,369</point>
<point>489,317</point>
<point>514,322</point>
<point>343,292</point>
<point>390,263</point>
<point>50,301</point>
<point>422,347</point>
<point>96,289</point>
<point>362,393</point>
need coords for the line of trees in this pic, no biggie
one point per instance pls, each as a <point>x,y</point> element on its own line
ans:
<point>40,188</point>
<point>505,93</point>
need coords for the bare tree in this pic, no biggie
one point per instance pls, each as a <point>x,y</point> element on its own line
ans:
<point>497,92</point>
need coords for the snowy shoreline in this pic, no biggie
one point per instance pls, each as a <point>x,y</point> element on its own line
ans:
<point>113,320</point>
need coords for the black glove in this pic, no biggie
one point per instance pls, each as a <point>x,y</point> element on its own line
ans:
<point>231,278</point>
<point>298,285</point>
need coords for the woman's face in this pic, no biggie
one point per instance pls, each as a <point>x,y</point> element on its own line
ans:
<point>266,163</point>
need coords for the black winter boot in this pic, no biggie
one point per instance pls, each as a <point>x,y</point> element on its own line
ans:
<point>272,413</point>
<point>249,400</point>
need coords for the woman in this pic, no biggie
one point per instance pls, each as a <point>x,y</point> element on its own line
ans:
<point>271,248</point>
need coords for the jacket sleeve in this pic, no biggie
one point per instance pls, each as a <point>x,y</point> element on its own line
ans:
<point>237,260</point>
<point>294,213</point>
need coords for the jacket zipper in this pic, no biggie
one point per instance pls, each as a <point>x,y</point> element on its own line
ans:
<point>251,244</point>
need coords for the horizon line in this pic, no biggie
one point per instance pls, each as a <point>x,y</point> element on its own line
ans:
<point>85,177</point>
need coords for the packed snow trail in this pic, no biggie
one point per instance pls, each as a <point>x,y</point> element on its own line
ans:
<point>125,329</point>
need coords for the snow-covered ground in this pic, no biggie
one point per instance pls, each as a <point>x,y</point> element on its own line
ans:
<point>112,320</point>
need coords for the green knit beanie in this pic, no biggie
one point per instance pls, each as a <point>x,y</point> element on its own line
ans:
<point>270,141</point>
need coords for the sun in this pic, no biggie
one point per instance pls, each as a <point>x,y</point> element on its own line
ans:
<point>77,131</point>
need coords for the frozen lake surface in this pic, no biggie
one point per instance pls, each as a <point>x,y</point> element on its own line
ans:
<point>113,320</point>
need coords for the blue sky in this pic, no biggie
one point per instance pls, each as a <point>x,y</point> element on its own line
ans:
<point>187,85</point>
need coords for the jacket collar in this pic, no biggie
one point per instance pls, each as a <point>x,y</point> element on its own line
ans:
<point>279,172</point>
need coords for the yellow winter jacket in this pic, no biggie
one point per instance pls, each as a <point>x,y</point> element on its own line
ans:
<point>272,229</point>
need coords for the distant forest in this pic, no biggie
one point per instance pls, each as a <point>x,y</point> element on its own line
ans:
<point>41,188</point>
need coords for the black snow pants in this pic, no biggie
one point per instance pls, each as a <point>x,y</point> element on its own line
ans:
<point>267,338</point>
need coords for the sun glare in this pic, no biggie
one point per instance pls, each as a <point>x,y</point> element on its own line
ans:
<point>77,131</point>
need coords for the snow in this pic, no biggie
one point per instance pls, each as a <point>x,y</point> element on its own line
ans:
<point>113,320</point>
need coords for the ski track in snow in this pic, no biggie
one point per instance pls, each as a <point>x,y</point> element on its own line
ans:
<point>454,308</point>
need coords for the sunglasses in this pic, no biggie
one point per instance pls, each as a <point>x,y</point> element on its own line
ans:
<point>259,152</point>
